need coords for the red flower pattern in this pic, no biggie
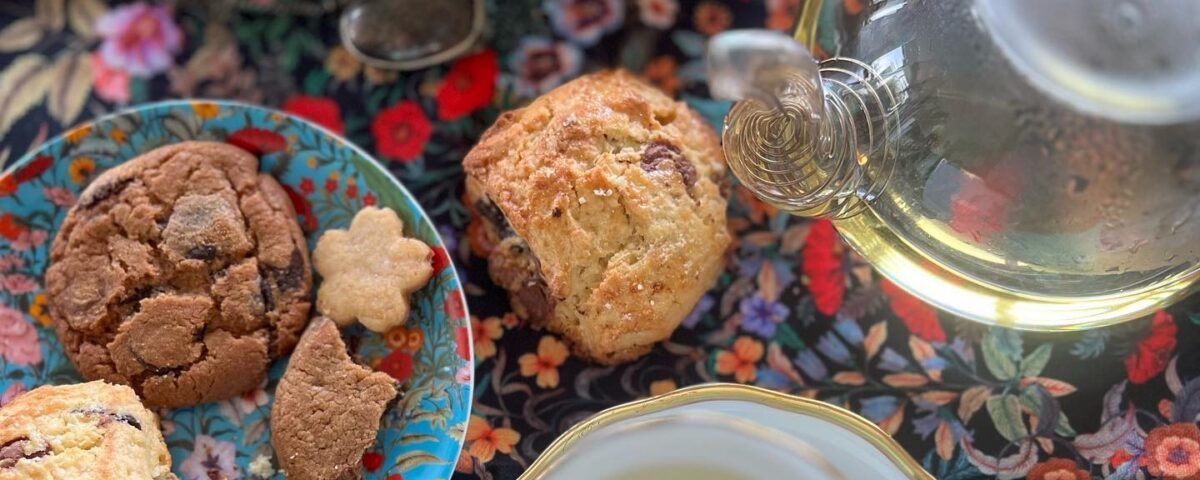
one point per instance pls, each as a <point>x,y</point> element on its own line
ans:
<point>822,264</point>
<point>257,141</point>
<point>1154,352</point>
<point>302,207</point>
<point>8,185</point>
<point>979,209</point>
<point>401,131</point>
<point>441,259</point>
<point>468,86</point>
<point>31,170</point>
<point>372,461</point>
<point>920,318</point>
<point>323,111</point>
<point>398,364</point>
<point>1058,469</point>
<point>462,339</point>
<point>9,228</point>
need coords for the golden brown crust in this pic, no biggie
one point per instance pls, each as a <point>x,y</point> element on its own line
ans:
<point>614,189</point>
<point>89,431</point>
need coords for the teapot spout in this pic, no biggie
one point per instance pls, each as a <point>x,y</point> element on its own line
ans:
<point>809,140</point>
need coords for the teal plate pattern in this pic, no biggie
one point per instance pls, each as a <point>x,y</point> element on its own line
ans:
<point>328,180</point>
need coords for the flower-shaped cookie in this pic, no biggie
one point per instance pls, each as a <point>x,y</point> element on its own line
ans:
<point>369,270</point>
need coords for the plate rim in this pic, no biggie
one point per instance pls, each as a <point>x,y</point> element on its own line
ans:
<point>33,153</point>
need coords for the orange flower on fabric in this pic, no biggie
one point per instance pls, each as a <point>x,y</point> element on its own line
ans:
<point>661,73</point>
<point>550,354</point>
<point>38,310</point>
<point>1058,469</point>
<point>9,228</point>
<point>662,386</point>
<point>741,360</point>
<point>781,14</point>
<point>204,110</point>
<point>81,169</point>
<point>485,440</point>
<point>79,133</point>
<point>711,18</point>
<point>1173,452</point>
<point>341,64</point>
<point>485,332</point>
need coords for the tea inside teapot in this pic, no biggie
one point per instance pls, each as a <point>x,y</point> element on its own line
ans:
<point>1025,163</point>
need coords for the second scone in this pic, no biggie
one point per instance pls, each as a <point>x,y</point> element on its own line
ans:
<point>604,210</point>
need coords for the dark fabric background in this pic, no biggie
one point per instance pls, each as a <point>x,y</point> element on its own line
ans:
<point>794,310</point>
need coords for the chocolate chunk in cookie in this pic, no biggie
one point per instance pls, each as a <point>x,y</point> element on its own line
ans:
<point>181,273</point>
<point>327,409</point>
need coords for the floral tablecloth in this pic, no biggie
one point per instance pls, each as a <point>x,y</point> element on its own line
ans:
<point>794,311</point>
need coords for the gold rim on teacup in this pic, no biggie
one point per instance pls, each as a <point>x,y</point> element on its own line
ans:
<point>841,417</point>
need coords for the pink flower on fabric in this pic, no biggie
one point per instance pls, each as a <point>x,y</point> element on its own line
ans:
<point>10,262</point>
<point>18,339</point>
<point>11,393</point>
<point>211,456</point>
<point>59,196</point>
<point>29,239</point>
<point>541,64</point>
<point>109,83</point>
<point>139,38</point>
<point>659,14</point>
<point>17,284</point>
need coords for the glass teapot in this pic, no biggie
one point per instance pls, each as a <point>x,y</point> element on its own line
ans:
<point>1027,163</point>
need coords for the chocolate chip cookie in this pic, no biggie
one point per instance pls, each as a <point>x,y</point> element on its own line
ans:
<point>181,273</point>
<point>90,431</point>
<point>327,408</point>
<point>604,205</point>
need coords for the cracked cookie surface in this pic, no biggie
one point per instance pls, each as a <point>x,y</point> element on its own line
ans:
<point>327,408</point>
<point>181,273</point>
<point>90,431</point>
<point>604,208</point>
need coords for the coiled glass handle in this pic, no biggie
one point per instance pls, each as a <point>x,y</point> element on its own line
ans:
<point>811,139</point>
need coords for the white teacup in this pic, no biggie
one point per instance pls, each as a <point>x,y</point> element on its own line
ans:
<point>726,432</point>
<point>692,446</point>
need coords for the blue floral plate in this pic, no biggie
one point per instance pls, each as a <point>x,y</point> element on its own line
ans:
<point>328,180</point>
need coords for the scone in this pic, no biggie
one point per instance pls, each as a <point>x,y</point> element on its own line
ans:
<point>181,273</point>
<point>605,213</point>
<point>89,431</point>
<point>327,408</point>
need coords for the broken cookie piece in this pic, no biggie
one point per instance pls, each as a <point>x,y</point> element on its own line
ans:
<point>89,431</point>
<point>369,271</point>
<point>327,409</point>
